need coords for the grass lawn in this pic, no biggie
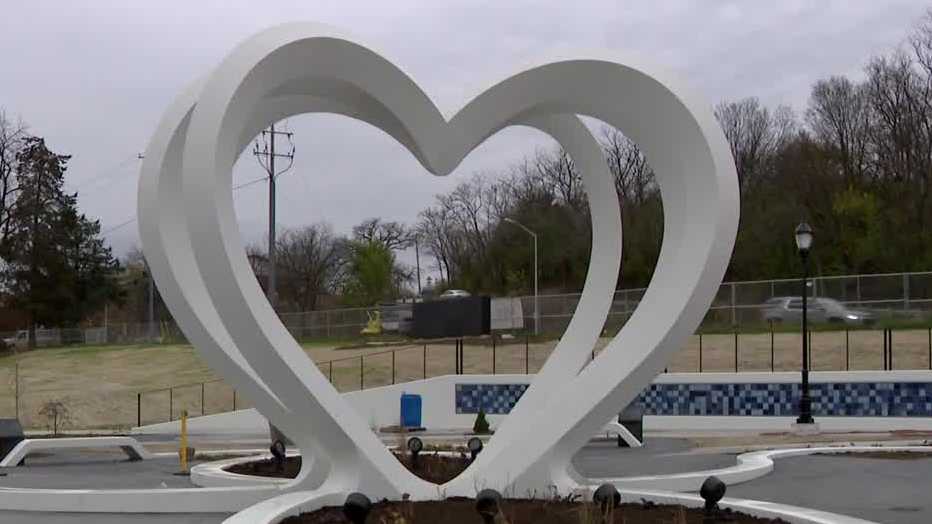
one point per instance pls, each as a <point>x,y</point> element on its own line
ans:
<point>98,385</point>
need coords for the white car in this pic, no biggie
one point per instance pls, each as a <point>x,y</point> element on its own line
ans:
<point>454,293</point>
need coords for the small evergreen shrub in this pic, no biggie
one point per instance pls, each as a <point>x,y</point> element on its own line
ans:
<point>481,426</point>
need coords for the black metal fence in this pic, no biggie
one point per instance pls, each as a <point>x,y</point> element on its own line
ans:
<point>769,351</point>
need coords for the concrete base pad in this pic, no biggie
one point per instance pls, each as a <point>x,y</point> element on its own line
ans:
<point>806,429</point>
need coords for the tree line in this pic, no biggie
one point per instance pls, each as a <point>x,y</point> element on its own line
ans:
<point>54,265</point>
<point>856,163</point>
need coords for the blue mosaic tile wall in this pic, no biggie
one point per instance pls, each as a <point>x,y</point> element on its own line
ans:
<point>871,399</point>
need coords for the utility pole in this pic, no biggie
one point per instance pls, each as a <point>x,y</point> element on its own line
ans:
<point>417,258</point>
<point>267,152</point>
<point>151,329</point>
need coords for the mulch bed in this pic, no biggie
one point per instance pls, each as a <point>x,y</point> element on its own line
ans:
<point>886,455</point>
<point>438,469</point>
<point>463,511</point>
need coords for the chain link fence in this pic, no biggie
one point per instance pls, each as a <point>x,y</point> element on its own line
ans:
<point>905,296</point>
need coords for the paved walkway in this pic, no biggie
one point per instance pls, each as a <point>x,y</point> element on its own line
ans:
<point>888,491</point>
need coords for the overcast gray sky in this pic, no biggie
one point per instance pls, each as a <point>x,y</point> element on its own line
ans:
<point>93,77</point>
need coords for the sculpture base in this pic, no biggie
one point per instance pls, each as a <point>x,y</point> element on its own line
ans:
<point>806,429</point>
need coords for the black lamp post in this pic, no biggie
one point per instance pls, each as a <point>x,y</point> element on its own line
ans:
<point>803,244</point>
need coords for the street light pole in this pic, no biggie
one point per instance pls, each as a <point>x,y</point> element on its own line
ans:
<point>804,243</point>
<point>536,279</point>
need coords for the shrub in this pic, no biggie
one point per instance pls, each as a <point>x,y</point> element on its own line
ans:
<point>481,426</point>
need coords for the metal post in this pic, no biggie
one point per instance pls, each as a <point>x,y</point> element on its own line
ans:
<point>700,352</point>
<point>771,348</point>
<point>736,350</point>
<point>883,351</point>
<point>361,379</point>
<point>890,347</point>
<point>527,360</point>
<point>171,411</point>
<point>16,378</point>
<point>905,291</point>
<point>203,408</point>
<point>930,348</point>
<point>393,367</point>
<point>425,360</point>
<point>138,409</point>
<point>234,400</point>
<point>734,312</point>
<point>847,353</point>
<point>536,296</point>
<point>493,354</point>
<point>151,331</point>
<point>330,371</point>
<point>805,402</point>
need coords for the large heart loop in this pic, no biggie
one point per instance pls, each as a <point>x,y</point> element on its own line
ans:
<point>189,232</point>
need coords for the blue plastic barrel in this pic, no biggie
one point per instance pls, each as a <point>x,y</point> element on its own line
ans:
<point>410,410</point>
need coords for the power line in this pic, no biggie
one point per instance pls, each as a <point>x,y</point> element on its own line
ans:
<point>121,225</point>
<point>107,173</point>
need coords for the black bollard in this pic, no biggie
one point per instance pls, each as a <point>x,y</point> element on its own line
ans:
<point>278,455</point>
<point>357,508</point>
<point>488,505</point>
<point>712,491</point>
<point>415,446</point>
<point>606,496</point>
<point>475,446</point>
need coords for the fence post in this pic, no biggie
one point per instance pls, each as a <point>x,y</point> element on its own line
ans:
<point>700,352</point>
<point>527,360</point>
<point>425,361</point>
<point>889,353</point>
<point>905,296</point>
<point>234,400</point>
<point>847,353</point>
<point>138,409</point>
<point>884,350</point>
<point>171,412</point>
<point>16,378</point>
<point>393,367</point>
<point>736,351</point>
<point>330,371</point>
<point>361,379</point>
<point>771,348</point>
<point>203,408</point>
<point>734,312</point>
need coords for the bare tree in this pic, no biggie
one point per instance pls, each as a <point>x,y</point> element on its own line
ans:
<point>634,179</point>
<point>839,115</point>
<point>12,135</point>
<point>310,261</point>
<point>393,235</point>
<point>754,135</point>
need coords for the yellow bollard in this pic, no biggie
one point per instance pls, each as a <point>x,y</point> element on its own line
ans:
<point>183,452</point>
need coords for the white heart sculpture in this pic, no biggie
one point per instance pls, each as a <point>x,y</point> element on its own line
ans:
<point>192,243</point>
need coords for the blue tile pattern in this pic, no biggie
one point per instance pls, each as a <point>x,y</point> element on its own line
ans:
<point>870,399</point>
<point>494,399</point>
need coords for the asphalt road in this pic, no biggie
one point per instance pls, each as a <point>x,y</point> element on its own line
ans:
<point>887,491</point>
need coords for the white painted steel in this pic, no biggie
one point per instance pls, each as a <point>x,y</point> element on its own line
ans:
<point>191,240</point>
<point>129,445</point>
